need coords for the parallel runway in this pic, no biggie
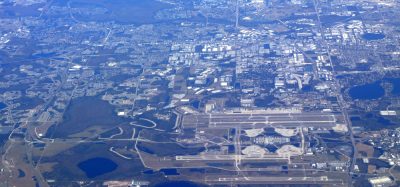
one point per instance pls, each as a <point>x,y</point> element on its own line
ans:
<point>277,180</point>
<point>232,120</point>
<point>269,157</point>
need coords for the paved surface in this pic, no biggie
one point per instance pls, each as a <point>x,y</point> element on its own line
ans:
<point>232,120</point>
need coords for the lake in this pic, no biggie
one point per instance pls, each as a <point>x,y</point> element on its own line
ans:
<point>396,85</point>
<point>367,91</point>
<point>97,166</point>
<point>373,36</point>
<point>169,171</point>
<point>2,106</point>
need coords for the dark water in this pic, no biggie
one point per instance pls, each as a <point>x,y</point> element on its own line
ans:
<point>395,83</point>
<point>196,104</point>
<point>384,121</point>
<point>367,91</point>
<point>271,148</point>
<point>2,106</point>
<point>21,173</point>
<point>178,184</point>
<point>148,172</point>
<point>97,166</point>
<point>169,171</point>
<point>373,36</point>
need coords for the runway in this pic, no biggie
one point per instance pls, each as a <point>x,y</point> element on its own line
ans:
<point>233,120</point>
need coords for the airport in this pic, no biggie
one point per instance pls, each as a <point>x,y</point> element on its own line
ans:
<point>258,120</point>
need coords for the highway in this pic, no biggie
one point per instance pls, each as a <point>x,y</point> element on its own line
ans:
<point>341,101</point>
